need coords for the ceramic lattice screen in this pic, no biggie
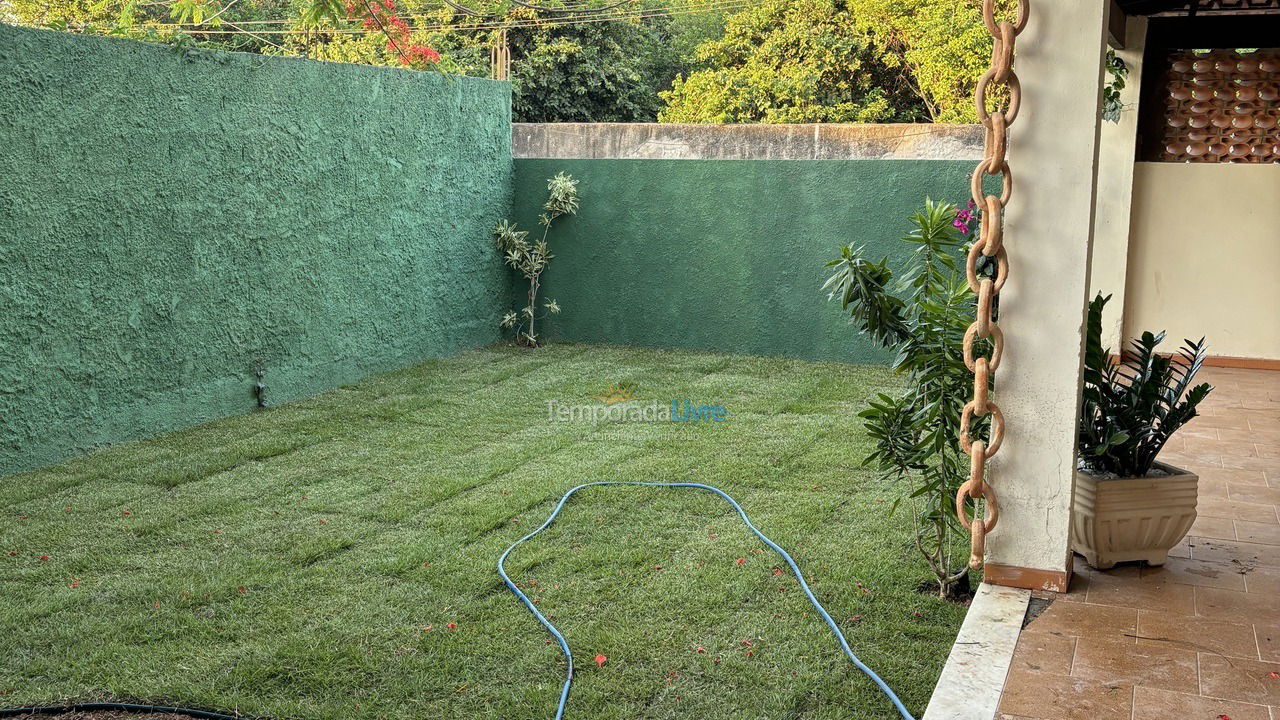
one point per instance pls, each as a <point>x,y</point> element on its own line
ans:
<point>1220,106</point>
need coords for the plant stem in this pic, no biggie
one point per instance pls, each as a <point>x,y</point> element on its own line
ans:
<point>535,282</point>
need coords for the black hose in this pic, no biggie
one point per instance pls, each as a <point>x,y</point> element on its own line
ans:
<point>117,707</point>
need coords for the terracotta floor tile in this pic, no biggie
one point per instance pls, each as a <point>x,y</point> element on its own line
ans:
<point>1236,510</point>
<point>1193,430</point>
<point>1254,493</point>
<point>1182,549</point>
<point>1148,665</point>
<point>1198,572</point>
<point>1222,448</point>
<point>1076,619</point>
<point>1265,533</point>
<point>1045,652</point>
<point>1243,477</point>
<point>1195,462</point>
<point>1245,554</point>
<point>1235,435</point>
<point>1124,588</point>
<point>1056,697</point>
<point>1220,402</point>
<point>1226,638</point>
<point>1262,580</point>
<point>1207,489</point>
<point>1150,704</point>
<point>1268,637</point>
<point>1246,462</point>
<point>1264,424</point>
<point>1221,421</point>
<point>1237,679</point>
<point>1214,527</point>
<point>1199,637</point>
<point>1080,579</point>
<point>1237,606</point>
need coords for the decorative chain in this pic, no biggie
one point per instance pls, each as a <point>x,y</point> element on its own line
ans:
<point>986,283</point>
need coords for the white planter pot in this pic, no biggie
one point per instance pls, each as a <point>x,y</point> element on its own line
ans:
<point>1127,519</point>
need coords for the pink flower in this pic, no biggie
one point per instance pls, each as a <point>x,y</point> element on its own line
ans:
<point>961,226</point>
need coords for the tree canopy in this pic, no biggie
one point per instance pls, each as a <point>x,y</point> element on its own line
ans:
<point>787,61</point>
<point>838,61</point>
<point>941,46</point>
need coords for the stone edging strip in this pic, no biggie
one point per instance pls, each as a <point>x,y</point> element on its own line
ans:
<point>973,678</point>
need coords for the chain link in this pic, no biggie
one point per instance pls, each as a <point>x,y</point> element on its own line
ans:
<point>987,269</point>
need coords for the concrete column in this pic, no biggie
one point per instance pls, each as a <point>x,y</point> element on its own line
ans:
<point>1053,150</point>
<point>1115,190</point>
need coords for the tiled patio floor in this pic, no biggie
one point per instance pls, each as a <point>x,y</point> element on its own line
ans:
<point>1197,639</point>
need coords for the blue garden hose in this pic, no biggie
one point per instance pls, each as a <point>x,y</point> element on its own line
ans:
<point>795,569</point>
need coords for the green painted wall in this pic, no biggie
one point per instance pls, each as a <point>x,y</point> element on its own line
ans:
<point>724,254</point>
<point>166,224</point>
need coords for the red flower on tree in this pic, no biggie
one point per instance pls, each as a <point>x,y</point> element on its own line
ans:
<point>380,15</point>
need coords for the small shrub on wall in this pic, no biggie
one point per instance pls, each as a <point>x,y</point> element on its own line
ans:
<point>530,259</point>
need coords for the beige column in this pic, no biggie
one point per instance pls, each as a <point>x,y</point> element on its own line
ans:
<point>1115,190</point>
<point>1053,150</point>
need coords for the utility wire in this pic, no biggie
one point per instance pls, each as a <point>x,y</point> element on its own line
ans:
<point>705,5</point>
<point>708,7</point>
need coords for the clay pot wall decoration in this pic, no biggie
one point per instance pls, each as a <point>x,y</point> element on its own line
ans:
<point>1222,106</point>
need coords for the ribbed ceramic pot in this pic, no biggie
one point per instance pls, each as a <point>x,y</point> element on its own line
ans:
<point>1124,519</point>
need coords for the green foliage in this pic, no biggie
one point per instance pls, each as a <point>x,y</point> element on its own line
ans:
<point>915,432</point>
<point>788,61</point>
<point>1131,409</point>
<point>840,61</point>
<point>530,258</point>
<point>591,72</point>
<point>205,23</point>
<point>1119,72</point>
<point>941,46</point>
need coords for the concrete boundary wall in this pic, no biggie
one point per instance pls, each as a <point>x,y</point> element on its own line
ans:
<point>726,255</point>
<point>664,141</point>
<point>172,225</point>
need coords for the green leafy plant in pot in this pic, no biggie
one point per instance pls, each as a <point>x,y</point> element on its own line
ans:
<point>1128,505</point>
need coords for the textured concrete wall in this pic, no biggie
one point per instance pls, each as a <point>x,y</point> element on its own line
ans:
<point>169,224</point>
<point>747,142</point>
<point>724,254</point>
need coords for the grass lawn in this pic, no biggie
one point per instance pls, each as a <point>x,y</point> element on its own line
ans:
<point>334,558</point>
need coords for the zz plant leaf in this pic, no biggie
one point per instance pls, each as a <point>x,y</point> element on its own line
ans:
<point>1132,408</point>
